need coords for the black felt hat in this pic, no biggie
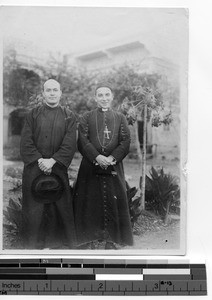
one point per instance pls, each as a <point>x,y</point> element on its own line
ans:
<point>47,188</point>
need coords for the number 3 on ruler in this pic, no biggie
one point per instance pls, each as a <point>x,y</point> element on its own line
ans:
<point>156,286</point>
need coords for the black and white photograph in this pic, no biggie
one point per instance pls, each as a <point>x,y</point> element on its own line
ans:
<point>94,117</point>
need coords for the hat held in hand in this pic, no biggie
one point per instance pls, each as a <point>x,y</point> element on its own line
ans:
<point>47,188</point>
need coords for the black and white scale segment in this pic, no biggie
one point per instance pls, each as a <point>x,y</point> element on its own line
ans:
<point>101,277</point>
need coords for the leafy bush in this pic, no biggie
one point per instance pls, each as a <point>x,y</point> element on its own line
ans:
<point>13,224</point>
<point>134,204</point>
<point>14,172</point>
<point>12,153</point>
<point>162,194</point>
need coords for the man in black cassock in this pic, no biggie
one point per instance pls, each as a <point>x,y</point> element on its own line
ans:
<point>48,143</point>
<point>100,202</point>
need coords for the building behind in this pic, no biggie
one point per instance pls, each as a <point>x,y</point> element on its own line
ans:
<point>164,141</point>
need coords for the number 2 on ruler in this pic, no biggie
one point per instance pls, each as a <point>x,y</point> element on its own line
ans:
<point>100,286</point>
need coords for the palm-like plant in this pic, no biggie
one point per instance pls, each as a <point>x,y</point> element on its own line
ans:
<point>162,193</point>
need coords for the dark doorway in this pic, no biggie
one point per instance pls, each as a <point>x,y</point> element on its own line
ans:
<point>16,121</point>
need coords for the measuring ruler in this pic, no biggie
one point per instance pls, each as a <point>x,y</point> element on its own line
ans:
<point>101,277</point>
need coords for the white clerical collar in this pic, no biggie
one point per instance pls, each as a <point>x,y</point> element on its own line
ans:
<point>101,109</point>
<point>51,105</point>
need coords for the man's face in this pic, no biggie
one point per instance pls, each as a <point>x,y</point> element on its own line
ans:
<point>52,93</point>
<point>104,97</point>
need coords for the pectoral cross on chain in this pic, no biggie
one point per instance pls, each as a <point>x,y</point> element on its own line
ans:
<point>106,133</point>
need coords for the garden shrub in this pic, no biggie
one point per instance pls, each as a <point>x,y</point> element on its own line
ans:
<point>162,193</point>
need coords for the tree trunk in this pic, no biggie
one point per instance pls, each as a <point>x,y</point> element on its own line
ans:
<point>143,182</point>
<point>138,146</point>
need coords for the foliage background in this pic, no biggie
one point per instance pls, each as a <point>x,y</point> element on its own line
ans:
<point>23,88</point>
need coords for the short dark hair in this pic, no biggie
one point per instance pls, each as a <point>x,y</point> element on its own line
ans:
<point>104,84</point>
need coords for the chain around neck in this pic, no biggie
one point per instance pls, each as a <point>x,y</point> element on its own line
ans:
<point>102,146</point>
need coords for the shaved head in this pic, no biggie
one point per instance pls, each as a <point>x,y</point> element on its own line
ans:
<point>52,92</point>
<point>50,82</point>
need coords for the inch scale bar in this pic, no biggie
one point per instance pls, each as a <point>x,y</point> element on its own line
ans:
<point>96,287</point>
<point>101,277</point>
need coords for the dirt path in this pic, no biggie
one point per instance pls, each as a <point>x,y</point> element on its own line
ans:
<point>164,238</point>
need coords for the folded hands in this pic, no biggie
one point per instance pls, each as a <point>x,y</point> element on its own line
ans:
<point>46,164</point>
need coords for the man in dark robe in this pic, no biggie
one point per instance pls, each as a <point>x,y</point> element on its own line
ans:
<point>48,143</point>
<point>100,202</point>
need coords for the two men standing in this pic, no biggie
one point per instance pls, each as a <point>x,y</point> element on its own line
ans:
<point>48,144</point>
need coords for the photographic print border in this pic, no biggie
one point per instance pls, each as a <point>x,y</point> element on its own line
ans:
<point>183,161</point>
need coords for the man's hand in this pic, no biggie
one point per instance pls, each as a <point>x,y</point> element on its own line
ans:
<point>111,160</point>
<point>48,172</point>
<point>46,164</point>
<point>102,161</point>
